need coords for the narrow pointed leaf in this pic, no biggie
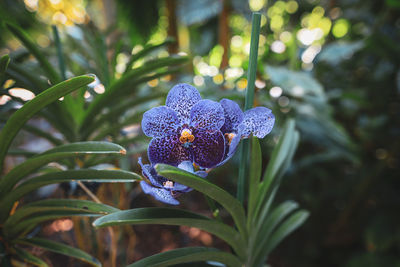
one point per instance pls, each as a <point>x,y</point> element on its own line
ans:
<point>87,175</point>
<point>29,258</point>
<point>34,50</point>
<point>171,216</point>
<point>231,204</point>
<point>53,155</point>
<point>186,255</point>
<point>57,205</point>
<point>21,116</point>
<point>60,248</point>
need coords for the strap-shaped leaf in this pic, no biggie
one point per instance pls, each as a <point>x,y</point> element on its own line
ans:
<point>270,195</point>
<point>114,90</point>
<point>53,155</point>
<point>57,205</point>
<point>60,248</point>
<point>286,228</point>
<point>4,60</point>
<point>260,237</point>
<point>231,204</point>
<point>21,116</point>
<point>34,50</point>
<point>170,216</point>
<point>145,51</point>
<point>186,255</point>
<point>88,175</point>
<point>254,176</point>
<point>29,258</point>
<point>279,154</point>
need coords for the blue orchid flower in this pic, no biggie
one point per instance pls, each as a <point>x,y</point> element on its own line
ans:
<point>187,128</point>
<point>239,125</point>
<point>163,189</point>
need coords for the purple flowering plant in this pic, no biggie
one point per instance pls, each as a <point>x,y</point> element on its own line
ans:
<point>189,131</point>
<point>190,137</point>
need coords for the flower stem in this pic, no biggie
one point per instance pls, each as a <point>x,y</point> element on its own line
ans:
<point>249,99</point>
<point>61,63</point>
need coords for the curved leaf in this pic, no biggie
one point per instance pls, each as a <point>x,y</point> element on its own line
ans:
<point>63,176</point>
<point>261,236</point>
<point>170,216</point>
<point>21,116</point>
<point>254,177</point>
<point>185,255</point>
<point>58,205</point>
<point>286,228</point>
<point>60,248</point>
<point>34,50</point>
<point>29,258</point>
<point>55,154</point>
<point>231,204</point>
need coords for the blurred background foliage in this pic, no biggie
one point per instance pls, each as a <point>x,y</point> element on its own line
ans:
<point>332,65</point>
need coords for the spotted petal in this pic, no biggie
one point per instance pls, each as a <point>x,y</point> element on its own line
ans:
<point>162,195</point>
<point>233,116</point>
<point>160,121</point>
<point>167,150</point>
<point>258,121</point>
<point>207,114</point>
<point>150,173</point>
<point>182,98</point>
<point>230,149</point>
<point>208,148</point>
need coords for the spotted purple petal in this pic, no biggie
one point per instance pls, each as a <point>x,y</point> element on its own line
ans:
<point>159,122</point>
<point>207,114</point>
<point>182,98</point>
<point>233,116</point>
<point>162,195</point>
<point>208,148</point>
<point>167,150</point>
<point>150,173</point>
<point>230,149</point>
<point>258,121</point>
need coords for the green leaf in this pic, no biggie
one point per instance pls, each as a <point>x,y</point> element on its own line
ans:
<point>63,176</point>
<point>54,155</point>
<point>60,248</point>
<point>29,258</point>
<point>259,238</point>
<point>186,255</point>
<point>21,116</point>
<point>34,50</point>
<point>231,204</point>
<point>276,162</point>
<point>4,60</point>
<point>145,51</point>
<point>286,228</point>
<point>122,84</point>
<point>58,205</point>
<point>41,133</point>
<point>254,176</point>
<point>170,216</point>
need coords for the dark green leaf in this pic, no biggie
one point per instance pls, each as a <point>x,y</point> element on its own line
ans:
<point>170,216</point>
<point>21,116</point>
<point>31,46</point>
<point>60,248</point>
<point>254,176</point>
<point>231,204</point>
<point>29,258</point>
<point>186,255</point>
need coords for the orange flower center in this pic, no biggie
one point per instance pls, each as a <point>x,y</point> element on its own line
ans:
<point>229,137</point>
<point>186,136</point>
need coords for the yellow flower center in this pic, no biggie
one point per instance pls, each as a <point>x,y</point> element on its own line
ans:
<point>229,137</point>
<point>186,136</point>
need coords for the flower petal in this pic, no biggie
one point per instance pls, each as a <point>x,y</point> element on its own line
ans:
<point>207,114</point>
<point>167,150</point>
<point>258,121</point>
<point>230,149</point>
<point>150,173</point>
<point>182,98</point>
<point>160,121</point>
<point>208,148</point>
<point>162,195</point>
<point>233,116</point>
